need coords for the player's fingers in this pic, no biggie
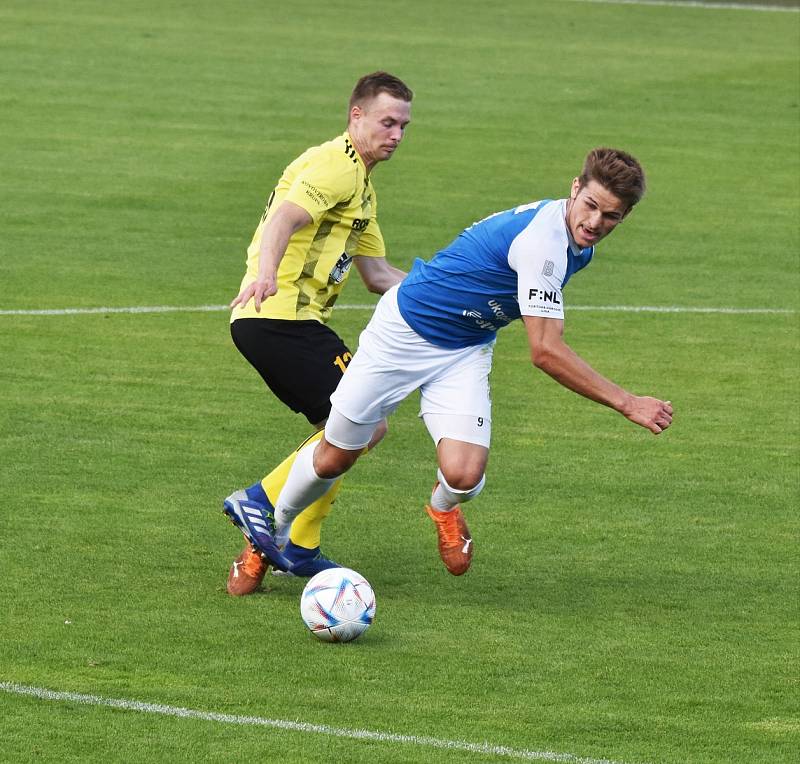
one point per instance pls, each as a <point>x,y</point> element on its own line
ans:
<point>243,296</point>
<point>664,420</point>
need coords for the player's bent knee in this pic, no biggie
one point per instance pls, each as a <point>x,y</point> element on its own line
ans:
<point>462,486</point>
<point>461,462</point>
<point>331,461</point>
<point>464,476</point>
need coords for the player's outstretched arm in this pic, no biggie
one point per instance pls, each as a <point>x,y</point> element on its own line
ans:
<point>284,223</point>
<point>552,355</point>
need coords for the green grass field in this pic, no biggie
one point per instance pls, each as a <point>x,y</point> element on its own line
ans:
<point>633,599</point>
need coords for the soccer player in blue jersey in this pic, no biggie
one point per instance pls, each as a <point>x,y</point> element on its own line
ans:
<point>435,333</point>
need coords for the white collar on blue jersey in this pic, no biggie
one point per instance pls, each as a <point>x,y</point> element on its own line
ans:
<point>573,245</point>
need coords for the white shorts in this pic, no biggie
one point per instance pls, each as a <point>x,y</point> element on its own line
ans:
<point>392,361</point>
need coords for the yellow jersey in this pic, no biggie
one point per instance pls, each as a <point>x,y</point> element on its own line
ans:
<point>331,183</point>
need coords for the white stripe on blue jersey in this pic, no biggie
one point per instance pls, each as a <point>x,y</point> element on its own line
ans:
<point>509,264</point>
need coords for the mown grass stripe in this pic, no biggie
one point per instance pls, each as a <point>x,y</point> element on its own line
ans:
<point>367,306</point>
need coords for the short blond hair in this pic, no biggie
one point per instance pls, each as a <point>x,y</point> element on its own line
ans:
<point>371,85</point>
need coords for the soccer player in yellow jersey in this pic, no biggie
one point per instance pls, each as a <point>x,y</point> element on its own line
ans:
<point>320,220</point>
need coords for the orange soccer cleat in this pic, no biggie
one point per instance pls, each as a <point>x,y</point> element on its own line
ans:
<point>247,572</point>
<point>455,540</point>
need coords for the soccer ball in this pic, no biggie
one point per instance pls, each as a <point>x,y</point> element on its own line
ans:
<point>337,605</point>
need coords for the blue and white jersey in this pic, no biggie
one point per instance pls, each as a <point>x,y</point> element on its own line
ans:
<point>510,264</point>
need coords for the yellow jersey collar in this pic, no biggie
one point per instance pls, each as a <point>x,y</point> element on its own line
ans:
<point>351,151</point>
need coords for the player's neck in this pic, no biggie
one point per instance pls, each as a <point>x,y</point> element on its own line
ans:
<point>368,161</point>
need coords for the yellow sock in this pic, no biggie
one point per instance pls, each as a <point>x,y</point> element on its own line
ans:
<point>307,526</point>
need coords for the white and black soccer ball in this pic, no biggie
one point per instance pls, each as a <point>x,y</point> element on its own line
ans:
<point>337,605</point>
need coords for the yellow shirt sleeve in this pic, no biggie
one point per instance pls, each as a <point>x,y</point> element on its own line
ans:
<point>326,179</point>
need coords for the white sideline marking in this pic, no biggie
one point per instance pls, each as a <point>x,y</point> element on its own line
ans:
<point>220,308</point>
<point>134,309</point>
<point>320,729</point>
<point>699,4</point>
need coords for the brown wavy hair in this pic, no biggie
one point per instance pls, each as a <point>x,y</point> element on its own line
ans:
<point>616,171</point>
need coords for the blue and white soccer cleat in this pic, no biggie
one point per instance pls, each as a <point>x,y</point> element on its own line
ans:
<point>250,510</point>
<point>305,563</point>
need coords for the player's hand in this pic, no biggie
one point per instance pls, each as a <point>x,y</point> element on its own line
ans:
<point>650,413</point>
<point>258,291</point>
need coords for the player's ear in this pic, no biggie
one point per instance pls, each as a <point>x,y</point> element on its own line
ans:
<point>576,186</point>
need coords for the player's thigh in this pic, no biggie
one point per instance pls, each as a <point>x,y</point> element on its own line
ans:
<point>392,361</point>
<point>300,361</point>
<point>457,403</point>
<point>373,387</point>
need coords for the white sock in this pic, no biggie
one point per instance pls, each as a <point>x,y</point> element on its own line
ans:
<point>442,500</point>
<point>445,498</point>
<point>282,533</point>
<point>302,487</point>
